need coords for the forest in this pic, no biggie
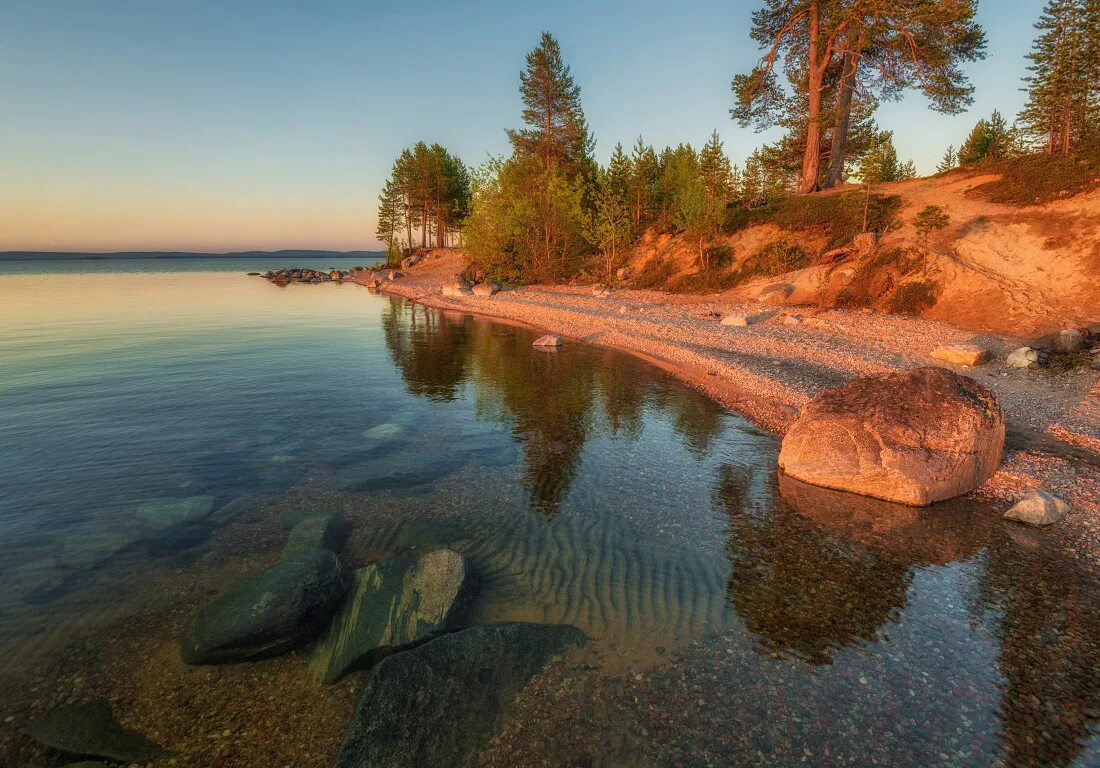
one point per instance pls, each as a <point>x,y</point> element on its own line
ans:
<point>549,211</point>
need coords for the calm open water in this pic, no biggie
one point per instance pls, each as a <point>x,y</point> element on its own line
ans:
<point>735,619</point>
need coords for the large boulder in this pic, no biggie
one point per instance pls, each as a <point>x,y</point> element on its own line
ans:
<point>393,604</point>
<point>275,611</point>
<point>90,730</point>
<point>441,702</point>
<point>914,437</point>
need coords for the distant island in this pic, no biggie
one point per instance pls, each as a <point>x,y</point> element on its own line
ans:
<point>81,256</point>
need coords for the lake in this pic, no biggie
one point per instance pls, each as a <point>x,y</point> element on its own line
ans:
<point>734,617</point>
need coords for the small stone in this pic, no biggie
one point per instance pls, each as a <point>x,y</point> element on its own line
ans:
<point>487,288</point>
<point>968,355</point>
<point>742,320</point>
<point>792,319</point>
<point>1024,357</point>
<point>549,340</point>
<point>1038,507</point>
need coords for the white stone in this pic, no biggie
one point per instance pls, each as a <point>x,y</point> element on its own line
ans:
<point>1038,507</point>
<point>1024,357</point>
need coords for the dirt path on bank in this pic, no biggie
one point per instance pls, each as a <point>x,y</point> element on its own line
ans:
<point>770,370</point>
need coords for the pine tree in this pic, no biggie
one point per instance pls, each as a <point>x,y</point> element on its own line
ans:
<point>644,170</point>
<point>715,169</point>
<point>617,176</point>
<point>976,145</point>
<point>881,163</point>
<point>556,129</point>
<point>847,46</point>
<point>391,216</point>
<point>1000,137</point>
<point>950,160</point>
<point>1064,77</point>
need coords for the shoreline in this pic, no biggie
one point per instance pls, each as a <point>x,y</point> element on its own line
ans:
<point>768,371</point>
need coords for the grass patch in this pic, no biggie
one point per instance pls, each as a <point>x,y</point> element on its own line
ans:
<point>775,258</point>
<point>1033,179</point>
<point>839,216</point>
<point>913,298</point>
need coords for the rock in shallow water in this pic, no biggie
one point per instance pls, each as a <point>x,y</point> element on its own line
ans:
<point>914,437</point>
<point>165,512</point>
<point>548,341</point>
<point>275,611</point>
<point>1038,508</point>
<point>392,604</point>
<point>90,730</point>
<point>321,531</point>
<point>440,703</point>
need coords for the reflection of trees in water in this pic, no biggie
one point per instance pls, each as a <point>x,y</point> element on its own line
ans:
<point>554,402</point>
<point>428,347</point>
<point>1046,609</point>
<point>799,589</point>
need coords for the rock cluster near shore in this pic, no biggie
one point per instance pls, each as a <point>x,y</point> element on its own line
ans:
<point>915,437</point>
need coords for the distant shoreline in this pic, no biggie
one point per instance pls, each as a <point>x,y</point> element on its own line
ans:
<point>161,255</point>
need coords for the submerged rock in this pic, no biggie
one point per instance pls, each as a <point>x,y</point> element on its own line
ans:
<point>90,730</point>
<point>549,340</point>
<point>393,604</point>
<point>914,437</point>
<point>165,512</point>
<point>275,611</point>
<point>1038,507</point>
<point>321,531</point>
<point>968,355</point>
<point>440,703</point>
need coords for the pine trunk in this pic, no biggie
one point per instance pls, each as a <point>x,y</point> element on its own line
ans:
<point>839,154</point>
<point>811,159</point>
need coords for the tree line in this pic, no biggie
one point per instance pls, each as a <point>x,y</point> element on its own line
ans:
<point>548,210</point>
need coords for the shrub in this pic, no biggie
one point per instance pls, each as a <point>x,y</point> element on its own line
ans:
<point>913,298</point>
<point>1040,178</point>
<point>930,218</point>
<point>773,259</point>
<point>654,274</point>
<point>838,215</point>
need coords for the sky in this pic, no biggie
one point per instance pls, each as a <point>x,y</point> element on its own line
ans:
<point>219,126</point>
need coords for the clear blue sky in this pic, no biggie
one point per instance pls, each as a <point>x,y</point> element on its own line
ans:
<point>150,124</point>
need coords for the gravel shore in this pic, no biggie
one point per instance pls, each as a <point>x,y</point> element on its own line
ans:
<point>768,370</point>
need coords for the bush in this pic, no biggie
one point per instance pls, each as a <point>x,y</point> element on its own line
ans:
<point>1040,178</point>
<point>914,298</point>
<point>773,259</point>
<point>655,274</point>
<point>930,217</point>
<point>838,215</point>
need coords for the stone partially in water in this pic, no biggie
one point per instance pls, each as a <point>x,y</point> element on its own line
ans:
<point>164,512</point>
<point>90,730</point>
<point>1038,507</point>
<point>322,531</point>
<point>383,432</point>
<point>275,611</point>
<point>914,437</point>
<point>229,511</point>
<point>440,703</point>
<point>549,340</point>
<point>93,542</point>
<point>393,604</point>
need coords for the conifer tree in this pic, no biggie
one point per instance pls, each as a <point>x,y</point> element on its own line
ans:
<point>1064,77</point>
<point>950,160</point>
<point>391,216</point>
<point>644,171</point>
<point>715,169</point>
<point>976,145</point>
<point>556,129</point>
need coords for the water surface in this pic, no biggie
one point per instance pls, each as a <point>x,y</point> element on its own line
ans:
<point>735,619</point>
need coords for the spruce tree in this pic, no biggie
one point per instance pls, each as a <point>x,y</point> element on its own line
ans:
<point>715,169</point>
<point>976,145</point>
<point>644,170</point>
<point>391,216</point>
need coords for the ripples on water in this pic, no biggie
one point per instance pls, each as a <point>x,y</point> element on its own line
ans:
<point>736,619</point>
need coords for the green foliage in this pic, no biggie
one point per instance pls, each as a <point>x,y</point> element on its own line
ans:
<point>556,129</point>
<point>1063,105</point>
<point>838,215</point>
<point>608,225</point>
<point>880,163</point>
<point>990,139</point>
<point>428,190</point>
<point>914,297</point>
<point>1033,179</point>
<point>526,224</point>
<point>775,258</point>
<point>929,219</point>
<point>950,160</point>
